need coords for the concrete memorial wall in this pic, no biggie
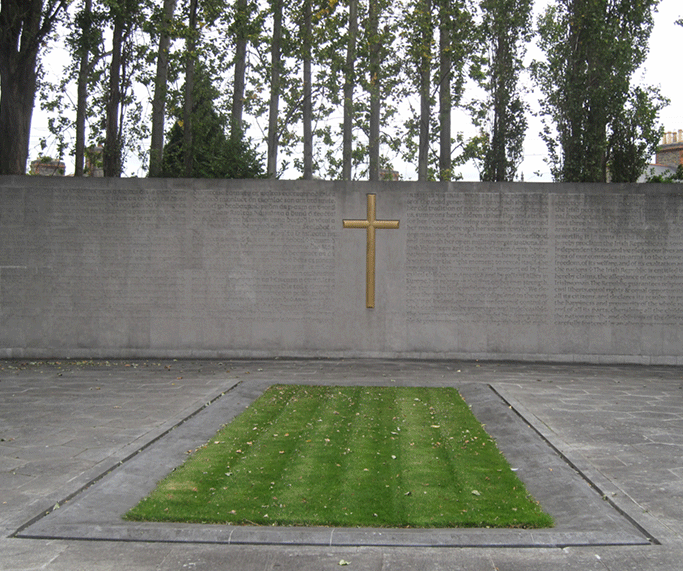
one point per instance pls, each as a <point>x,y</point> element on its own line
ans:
<point>200,268</point>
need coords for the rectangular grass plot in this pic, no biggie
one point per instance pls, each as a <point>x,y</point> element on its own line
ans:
<point>348,457</point>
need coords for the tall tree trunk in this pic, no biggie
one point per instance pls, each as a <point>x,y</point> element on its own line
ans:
<point>308,103</point>
<point>349,82</point>
<point>16,110</point>
<point>160,88</point>
<point>23,26</point>
<point>572,168</point>
<point>188,155</point>
<point>373,38</point>
<point>111,159</point>
<point>82,89</point>
<point>504,24</point>
<point>274,88</point>
<point>497,167</point>
<point>240,70</point>
<point>445,91</point>
<point>425,88</point>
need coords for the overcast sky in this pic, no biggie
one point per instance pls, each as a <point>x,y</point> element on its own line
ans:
<point>661,69</point>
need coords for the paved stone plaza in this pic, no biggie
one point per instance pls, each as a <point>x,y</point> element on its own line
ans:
<point>612,435</point>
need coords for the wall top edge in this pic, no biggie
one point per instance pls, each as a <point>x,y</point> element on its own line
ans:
<point>60,183</point>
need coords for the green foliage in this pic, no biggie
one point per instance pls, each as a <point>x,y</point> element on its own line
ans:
<point>667,178</point>
<point>86,32</point>
<point>417,31</point>
<point>596,122</point>
<point>215,154</point>
<point>592,49</point>
<point>25,29</point>
<point>501,115</point>
<point>634,135</point>
<point>348,457</point>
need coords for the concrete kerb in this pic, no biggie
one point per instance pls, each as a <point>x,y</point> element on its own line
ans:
<point>89,478</point>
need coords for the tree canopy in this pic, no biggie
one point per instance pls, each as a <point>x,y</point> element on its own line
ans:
<point>24,28</point>
<point>339,89</point>
<point>215,154</point>
<point>593,48</point>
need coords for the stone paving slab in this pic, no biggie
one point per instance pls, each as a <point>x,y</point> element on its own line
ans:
<point>596,416</point>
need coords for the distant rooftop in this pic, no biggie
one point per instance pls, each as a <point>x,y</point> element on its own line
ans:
<point>672,138</point>
<point>670,151</point>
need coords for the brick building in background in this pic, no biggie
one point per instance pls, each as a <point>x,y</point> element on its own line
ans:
<point>47,167</point>
<point>670,152</point>
<point>669,156</point>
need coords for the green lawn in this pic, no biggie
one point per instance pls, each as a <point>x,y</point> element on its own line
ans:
<point>351,457</point>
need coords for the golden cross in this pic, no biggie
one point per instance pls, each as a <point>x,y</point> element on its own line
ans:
<point>371,224</point>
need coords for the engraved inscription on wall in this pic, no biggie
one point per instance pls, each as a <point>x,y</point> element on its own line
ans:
<point>572,259</point>
<point>557,258</point>
<point>272,254</point>
<point>178,253</point>
<point>618,261</point>
<point>477,258</point>
<point>114,253</point>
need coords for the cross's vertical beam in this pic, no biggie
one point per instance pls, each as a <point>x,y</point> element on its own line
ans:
<point>371,224</point>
